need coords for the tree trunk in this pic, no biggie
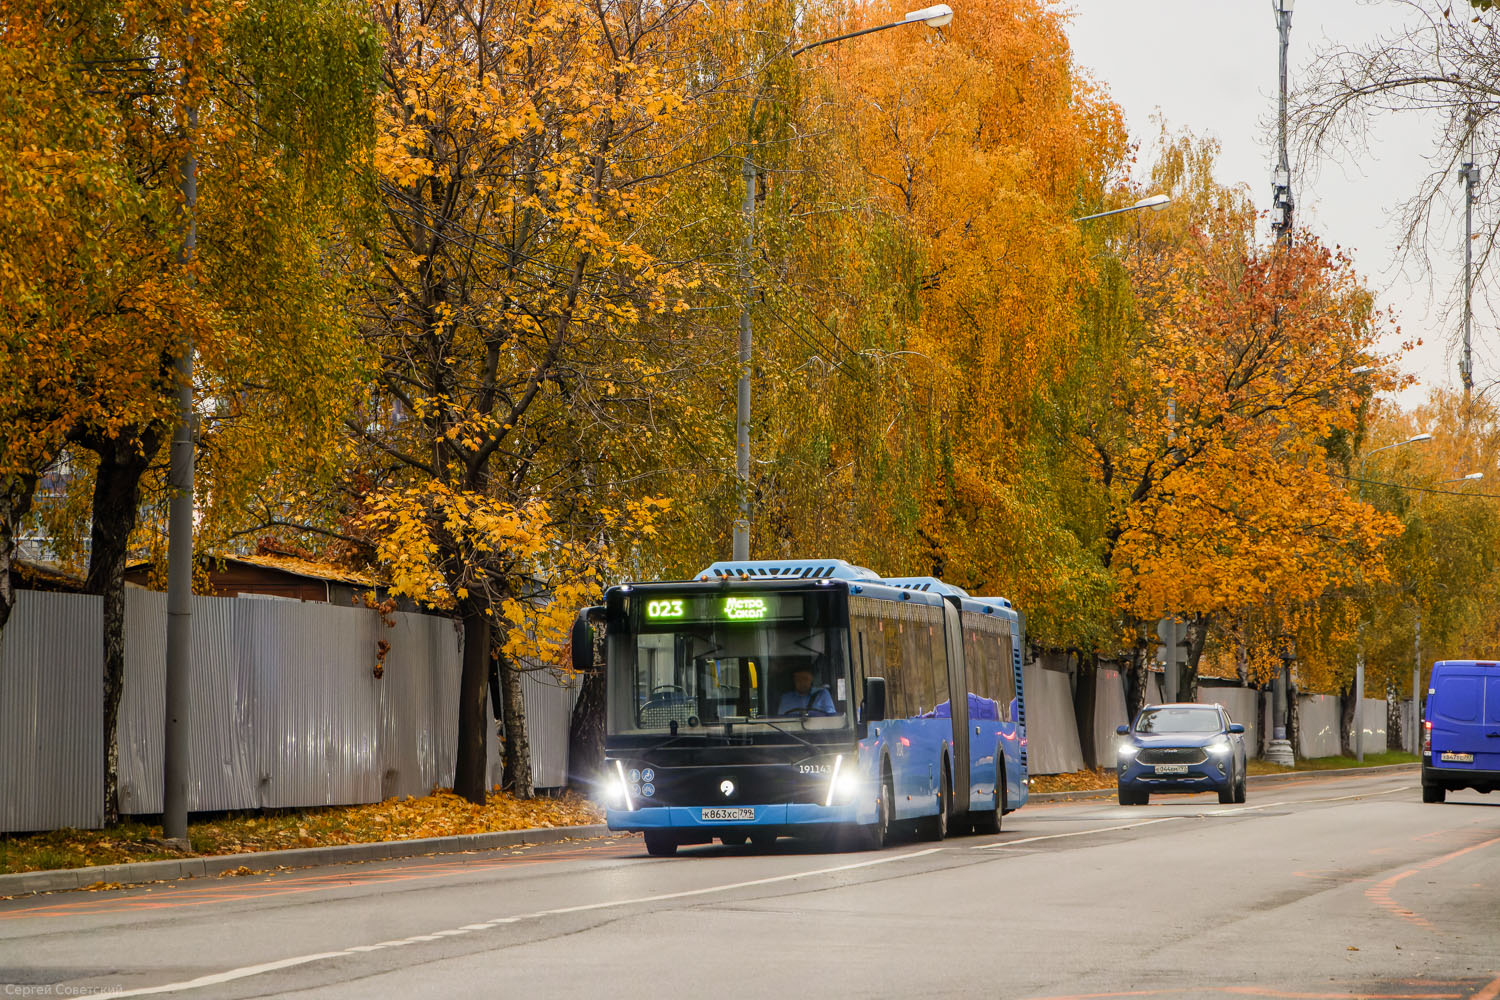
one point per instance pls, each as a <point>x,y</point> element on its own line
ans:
<point>1136,690</point>
<point>1241,656</point>
<point>1394,737</point>
<point>16,493</point>
<point>586,726</point>
<point>123,460</point>
<point>469,779</point>
<point>1194,637</point>
<point>1084,707</point>
<point>1293,717</point>
<point>517,776</point>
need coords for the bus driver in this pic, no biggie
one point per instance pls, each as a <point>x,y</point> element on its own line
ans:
<point>802,697</point>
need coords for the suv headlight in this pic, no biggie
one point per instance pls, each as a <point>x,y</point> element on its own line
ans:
<point>1126,751</point>
<point>1220,746</point>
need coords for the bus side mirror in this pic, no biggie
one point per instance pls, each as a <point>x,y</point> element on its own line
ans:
<point>874,699</point>
<point>582,639</point>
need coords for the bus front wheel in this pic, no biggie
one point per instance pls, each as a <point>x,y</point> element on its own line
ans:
<point>660,844</point>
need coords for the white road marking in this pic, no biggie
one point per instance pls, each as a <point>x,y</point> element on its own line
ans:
<point>245,972</point>
<point>1075,833</point>
<point>1193,815</point>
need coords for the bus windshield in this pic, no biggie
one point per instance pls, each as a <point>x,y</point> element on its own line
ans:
<point>709,659</point>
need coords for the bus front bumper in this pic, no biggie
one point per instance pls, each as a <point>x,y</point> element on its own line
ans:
<point>706,819</point>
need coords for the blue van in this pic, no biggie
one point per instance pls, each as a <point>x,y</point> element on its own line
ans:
<point>1461,733</point>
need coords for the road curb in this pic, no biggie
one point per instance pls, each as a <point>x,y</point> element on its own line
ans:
<point>300,857</point>
<point>1252,779</point>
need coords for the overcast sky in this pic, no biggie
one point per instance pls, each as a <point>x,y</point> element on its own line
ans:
<point>1210,66</point>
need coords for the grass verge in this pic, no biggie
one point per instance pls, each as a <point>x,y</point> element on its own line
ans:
<point>441,814</point>
<point>1381,759</point>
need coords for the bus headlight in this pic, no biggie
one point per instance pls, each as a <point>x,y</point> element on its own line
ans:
<point>617,789</point>
<point>842,784</point>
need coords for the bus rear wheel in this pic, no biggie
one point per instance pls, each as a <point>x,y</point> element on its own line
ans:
<point>660,844</point>
<point>936,827</point>
<point>989,822</point>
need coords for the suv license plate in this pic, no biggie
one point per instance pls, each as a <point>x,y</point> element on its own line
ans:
<point>1171,769</point>
<point>722,814</point>
<point>1458,758</point>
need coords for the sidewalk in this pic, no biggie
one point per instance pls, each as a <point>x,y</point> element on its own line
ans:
<point>306,857</point>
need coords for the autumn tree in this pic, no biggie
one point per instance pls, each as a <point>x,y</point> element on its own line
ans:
<point>271,98</point>
<point>519,145</point>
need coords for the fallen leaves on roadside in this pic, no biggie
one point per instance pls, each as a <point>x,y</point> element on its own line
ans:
<point>241,870</point>
<point>441,814</point>
<point>1098,779</point>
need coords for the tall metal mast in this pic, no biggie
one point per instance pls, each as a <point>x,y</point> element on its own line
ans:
<point>1470,174</point>
<point>1281,179</point>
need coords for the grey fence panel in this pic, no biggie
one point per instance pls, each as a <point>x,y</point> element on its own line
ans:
<point>1375,720</point>
<point>285,708</point>
<point>318,701</point>
<point>549,706</point>
<point>416,750</point>
<point>142,705</point>
<point>1240,703</point>
<point>1317,725</point>
<point>1109,713</point>
<point>1051,728</point>
<point>223,722</point>
<point>51,713</point>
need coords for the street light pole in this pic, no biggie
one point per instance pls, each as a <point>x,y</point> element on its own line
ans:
<point>1359,660</point>
<point>933,17</point>
<point>1281,182</point>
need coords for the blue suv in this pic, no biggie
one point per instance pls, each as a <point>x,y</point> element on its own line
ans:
<point>1181,748</point>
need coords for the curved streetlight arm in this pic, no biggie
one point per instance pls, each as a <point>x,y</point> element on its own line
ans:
<point>1156,201</point>
<point>1414,439</point>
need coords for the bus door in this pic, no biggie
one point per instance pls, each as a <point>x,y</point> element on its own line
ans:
<point>958,699</point>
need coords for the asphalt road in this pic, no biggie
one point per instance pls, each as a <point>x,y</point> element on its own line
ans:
<point>1322,888</point>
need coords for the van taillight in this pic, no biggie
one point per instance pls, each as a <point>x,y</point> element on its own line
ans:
<point>1427,736</point>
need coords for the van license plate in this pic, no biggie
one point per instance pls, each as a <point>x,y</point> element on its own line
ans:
<point>1457,758</point>
<point>722,814</point>
<point>1171,769</point>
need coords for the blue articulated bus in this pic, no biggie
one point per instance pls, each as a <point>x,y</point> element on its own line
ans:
<point>763,699</point>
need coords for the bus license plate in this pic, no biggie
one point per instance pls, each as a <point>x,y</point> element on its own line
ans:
<point>1458,758</point>
<point>723,814</point>
<point>1171,769</point>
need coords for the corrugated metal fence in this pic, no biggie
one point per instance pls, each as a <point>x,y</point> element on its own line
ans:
<point>286,710</point>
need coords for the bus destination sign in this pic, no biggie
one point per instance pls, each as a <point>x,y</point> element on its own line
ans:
<point>716,608</point>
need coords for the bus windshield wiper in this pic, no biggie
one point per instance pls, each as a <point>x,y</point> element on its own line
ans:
<point>760,721</point>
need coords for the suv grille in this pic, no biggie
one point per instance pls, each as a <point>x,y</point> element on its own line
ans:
<point>1172,755</point>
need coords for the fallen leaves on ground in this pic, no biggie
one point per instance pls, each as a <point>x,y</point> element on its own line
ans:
<point>1098,779</point>
<point>441,814</point>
